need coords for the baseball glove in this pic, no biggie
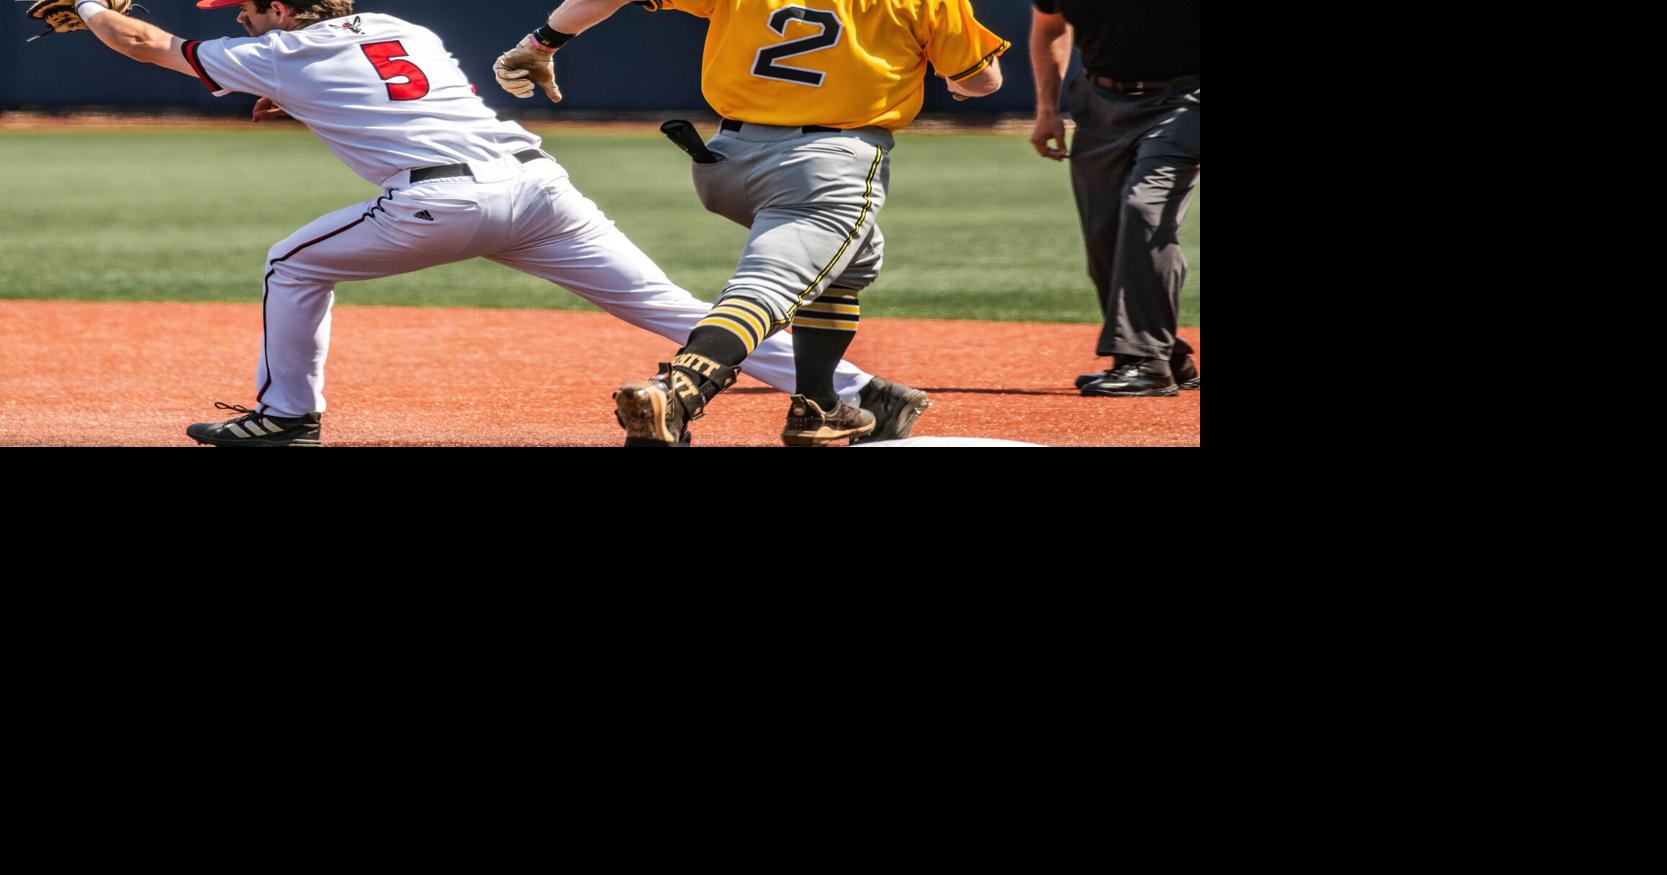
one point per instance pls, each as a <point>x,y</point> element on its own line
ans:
<point>60,17</point>
<point>526,65</point>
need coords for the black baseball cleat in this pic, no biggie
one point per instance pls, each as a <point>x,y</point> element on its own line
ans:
<point>895,408</point>
<point>258,430</point>
<point>1183,369</point>
<point>1135,378</point>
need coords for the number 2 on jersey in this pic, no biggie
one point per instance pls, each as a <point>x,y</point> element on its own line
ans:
<point>385,57</point>
<point>765,67</point>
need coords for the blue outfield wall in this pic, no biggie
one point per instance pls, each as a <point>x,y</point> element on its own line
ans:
<point>637,61</point>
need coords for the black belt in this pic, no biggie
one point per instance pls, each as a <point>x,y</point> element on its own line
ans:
<point>1124,87</point>
<point>448,171</point>
<point>732,125</point>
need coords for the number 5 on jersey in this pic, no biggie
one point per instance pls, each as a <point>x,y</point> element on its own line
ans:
<point>386,58</point>
<point>767,68</point>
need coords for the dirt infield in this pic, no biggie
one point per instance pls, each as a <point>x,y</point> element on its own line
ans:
<point>93,374</point>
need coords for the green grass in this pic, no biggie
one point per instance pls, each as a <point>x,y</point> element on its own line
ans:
<point>976,226</point>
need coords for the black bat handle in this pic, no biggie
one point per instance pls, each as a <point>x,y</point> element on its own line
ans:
<point>688,139</point>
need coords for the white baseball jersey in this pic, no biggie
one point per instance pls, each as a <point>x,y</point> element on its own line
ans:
<point>383,94</point>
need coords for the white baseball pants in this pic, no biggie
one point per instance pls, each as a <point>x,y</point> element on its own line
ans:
<point>525,216</point>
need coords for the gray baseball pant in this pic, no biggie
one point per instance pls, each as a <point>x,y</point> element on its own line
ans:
<point>811,201</point>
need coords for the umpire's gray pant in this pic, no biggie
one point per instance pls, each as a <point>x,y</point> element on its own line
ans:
<point>1134,164</point>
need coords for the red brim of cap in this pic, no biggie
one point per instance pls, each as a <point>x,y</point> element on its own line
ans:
<point>217,4</point>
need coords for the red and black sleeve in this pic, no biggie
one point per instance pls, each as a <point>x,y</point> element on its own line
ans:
<point>190,51</point>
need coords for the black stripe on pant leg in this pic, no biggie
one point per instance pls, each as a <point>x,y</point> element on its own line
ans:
<point>867,204</point>
<point>266,289</point>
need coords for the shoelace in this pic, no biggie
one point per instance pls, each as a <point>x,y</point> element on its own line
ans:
<point>233,407</point>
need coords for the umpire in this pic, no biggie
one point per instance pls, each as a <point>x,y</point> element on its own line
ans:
<point>1134,163</point>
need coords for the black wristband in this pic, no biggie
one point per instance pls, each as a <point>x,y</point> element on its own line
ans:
<point>550,38</point>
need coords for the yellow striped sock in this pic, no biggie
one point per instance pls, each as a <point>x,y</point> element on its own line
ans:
<point>759,311</point>
<point>734,325</point>
<point>831,312</point>
<point>745,316</point>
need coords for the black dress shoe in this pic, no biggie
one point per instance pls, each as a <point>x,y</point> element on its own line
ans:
<point>1184,371</point>
<point>1135,378</point>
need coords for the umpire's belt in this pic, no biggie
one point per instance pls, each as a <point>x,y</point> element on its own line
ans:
<point>1125,87</point>
<point>732,125</point>
<point>449,171</point>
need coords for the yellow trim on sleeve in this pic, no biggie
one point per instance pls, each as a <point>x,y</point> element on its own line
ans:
<point>988,59</point>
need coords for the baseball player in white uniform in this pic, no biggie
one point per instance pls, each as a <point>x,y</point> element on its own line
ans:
<point>457,182</point>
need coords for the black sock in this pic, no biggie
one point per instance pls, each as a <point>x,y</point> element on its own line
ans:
<point>822,332</point>
<point>717,344</point>
<point>734,328</point>
<point>816,354</point>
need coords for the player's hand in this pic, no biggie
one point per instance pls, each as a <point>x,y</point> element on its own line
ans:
<point>1049,138</point>
<point>267,111</point>
<point>525,66</point>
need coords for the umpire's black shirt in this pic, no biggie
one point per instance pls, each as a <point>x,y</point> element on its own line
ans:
<point>1134,40</point>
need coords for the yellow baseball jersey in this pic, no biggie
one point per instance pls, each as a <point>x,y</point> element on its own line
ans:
<point>836,63</point>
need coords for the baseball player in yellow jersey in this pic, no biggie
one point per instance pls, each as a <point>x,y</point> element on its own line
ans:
<point>810,92</point>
